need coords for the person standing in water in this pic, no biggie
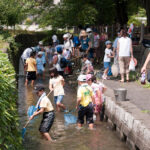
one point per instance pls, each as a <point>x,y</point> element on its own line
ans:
<point>30,67</point>
<point>44,107</point>
<point>56,84</point>
<point>85,101</point>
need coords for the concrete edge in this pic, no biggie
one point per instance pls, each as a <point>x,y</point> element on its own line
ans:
<point>131,124</point>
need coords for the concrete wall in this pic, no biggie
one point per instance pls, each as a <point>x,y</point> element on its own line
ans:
<point>130,123</point>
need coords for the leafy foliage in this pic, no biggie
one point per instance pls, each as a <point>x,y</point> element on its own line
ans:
<point>9,135</point>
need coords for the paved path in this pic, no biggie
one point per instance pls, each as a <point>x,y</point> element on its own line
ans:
<point>135,93</point>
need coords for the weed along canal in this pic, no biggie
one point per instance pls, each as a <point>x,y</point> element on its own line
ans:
<point>68,137</point>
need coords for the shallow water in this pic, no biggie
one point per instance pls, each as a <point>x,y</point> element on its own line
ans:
<point>67,137</point>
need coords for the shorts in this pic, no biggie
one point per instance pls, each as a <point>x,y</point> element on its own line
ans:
<point>106,65</point>
<point>31,75</point>
<point>47,121</point>
<point>58,99</point>
<point>91,55</point>
<point>124,64</point>
<point>85,111</point>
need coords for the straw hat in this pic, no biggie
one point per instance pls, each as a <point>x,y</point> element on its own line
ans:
<point>83,33</point>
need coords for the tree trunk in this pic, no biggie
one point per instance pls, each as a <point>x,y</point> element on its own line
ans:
<point>146,4</point>
<point>121,10</point>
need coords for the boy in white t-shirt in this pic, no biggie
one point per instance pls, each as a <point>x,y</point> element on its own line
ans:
<point>107,58</point>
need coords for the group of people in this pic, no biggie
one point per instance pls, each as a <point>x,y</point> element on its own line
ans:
<point>90,92</point>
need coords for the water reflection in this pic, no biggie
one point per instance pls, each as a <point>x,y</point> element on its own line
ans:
<point>68,137</point>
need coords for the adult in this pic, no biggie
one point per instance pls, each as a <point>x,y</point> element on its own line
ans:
<point>39,46</point>
<point>55,40</point>
<point>68,43</point>
<point>96,45</point>
<point>85,43</point>
<point>57,63</point>
<point>91,37</point>
<point>115,48</point>
<point>26,54</point>
<point>68,51</point>
<point>45,107</point>
<point>125,51</point>
<point>146,63</point>
<point>85,98</point>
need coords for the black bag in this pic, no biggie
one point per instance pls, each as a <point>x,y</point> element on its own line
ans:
<point>63,62</point>
<point>148,76</point>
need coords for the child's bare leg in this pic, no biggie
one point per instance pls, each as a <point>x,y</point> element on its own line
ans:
<point>32,82</point>
<point>105,72</point>
<point>91,126</point>
<point>26,82</point>
<point>61,106</point>
<point>47,136</point>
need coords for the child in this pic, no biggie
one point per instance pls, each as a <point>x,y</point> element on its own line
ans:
<point>43,56</point>
<point>85,101</point>
<point>31,69</point>
<point>91,80</point>
<point>107,59</point>
<point>39,62</point>
<point>50,52</point>
<point>44,106</point>
<point>56,84</point>
<point>87,67</point>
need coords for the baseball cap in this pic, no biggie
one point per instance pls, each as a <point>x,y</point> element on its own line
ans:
<point>107,42</point>
<point>82,78</point>
<point>39,87</point>
<point>59,49</point>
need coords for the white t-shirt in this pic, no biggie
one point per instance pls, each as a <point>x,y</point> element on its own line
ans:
<point>57,85</point>
<point>26,53</point>
<point>67,54</point>
<point>68,44</point>
<point>54,38</point>
<point>58,63</point>
<point>124,46</point>
<point>107,52</point>
<point>96,40</point>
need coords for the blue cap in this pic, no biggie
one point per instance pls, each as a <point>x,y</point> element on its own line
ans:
<point>107,42</point>
<point>59,49</point>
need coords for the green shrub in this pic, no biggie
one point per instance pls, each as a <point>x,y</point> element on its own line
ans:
<point>10,137</point>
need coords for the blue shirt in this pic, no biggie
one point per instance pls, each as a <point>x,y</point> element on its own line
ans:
<point>39,63</point>
<point>85,43</point>
<point>115,42</point>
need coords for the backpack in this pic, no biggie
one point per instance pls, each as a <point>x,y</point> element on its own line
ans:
<point>63,62</point>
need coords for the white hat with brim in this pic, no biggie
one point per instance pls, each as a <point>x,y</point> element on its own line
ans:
<point>40,53</point>
<point>65,36</point>
<point>88,30</point>
<point>40,42</point>
<point>82,78</point>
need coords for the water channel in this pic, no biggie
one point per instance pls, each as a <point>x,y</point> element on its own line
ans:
<point>67,137</point>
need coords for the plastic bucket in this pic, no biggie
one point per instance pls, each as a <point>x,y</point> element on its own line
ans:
<point>120,94</point>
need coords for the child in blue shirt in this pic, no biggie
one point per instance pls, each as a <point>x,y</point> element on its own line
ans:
<point>40,66</point>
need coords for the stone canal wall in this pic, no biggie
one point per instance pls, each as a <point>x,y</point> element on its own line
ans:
<point>130,123</point>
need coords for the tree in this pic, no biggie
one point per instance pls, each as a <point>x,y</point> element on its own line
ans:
<point>146,5</point>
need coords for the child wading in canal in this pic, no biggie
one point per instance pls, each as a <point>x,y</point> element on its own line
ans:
<point>85,97</point>
<point>40,65</point>
<point>44,107</point>
<point>56,84</point>
<point>91,80</point>
<point>107,59</point>
<point>31,69</point>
